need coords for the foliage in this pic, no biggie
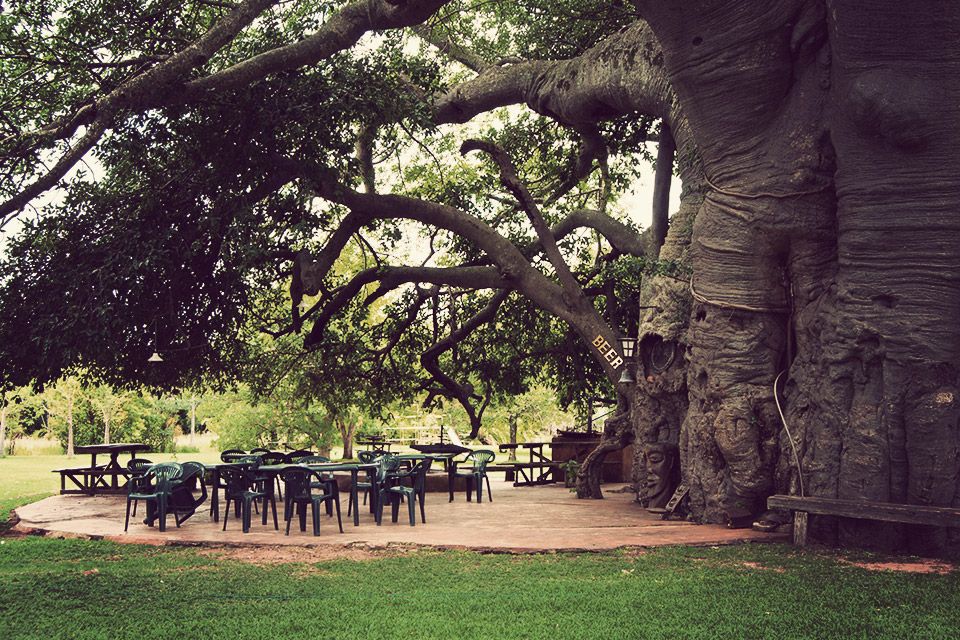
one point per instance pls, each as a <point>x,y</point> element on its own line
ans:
<point>179,232</point>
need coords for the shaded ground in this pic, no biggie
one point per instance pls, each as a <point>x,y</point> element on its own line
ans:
<point>525,519</point>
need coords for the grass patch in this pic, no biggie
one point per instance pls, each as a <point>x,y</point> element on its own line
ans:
<point>86,589</point>
<point>79,589</point>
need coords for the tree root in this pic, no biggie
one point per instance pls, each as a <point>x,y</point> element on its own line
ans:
<point>617,433</point>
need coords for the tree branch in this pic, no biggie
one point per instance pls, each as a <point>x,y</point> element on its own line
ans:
<point>430,359</point>
<point>451,49</point>
<point>392,277</point>
<point>620,75</point>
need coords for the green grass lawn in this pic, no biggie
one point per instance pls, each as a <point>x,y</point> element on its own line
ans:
<point>80,589</point>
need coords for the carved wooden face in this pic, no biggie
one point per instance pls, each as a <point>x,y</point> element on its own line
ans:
<point>661,458</point>
<point>660,461</point>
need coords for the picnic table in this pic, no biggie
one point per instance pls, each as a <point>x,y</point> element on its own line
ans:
<point>539,470</point>
<point>376,443</point>
<point>100,478</point>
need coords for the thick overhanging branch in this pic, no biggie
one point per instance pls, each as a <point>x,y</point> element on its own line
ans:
<point>513,267</point>
<point>620,236</point>
<point>511,263</point>
<point>138,90</point>
<point>622,74</point>
<point>341,31</point>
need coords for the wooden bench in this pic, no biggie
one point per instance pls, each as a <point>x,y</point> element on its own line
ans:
<point>861,510</point>
<point>92,480</point>
<point>545,472</point>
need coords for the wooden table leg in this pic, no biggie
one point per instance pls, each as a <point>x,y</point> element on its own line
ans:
<point>450,481</point>
<point>215,496</point>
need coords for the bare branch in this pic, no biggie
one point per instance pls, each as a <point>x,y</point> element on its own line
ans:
<point>365,142</point>
<point>90,137</point>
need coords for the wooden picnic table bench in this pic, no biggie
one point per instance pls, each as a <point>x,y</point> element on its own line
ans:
<point>540,469</point>
<point>861,510</point>
<point>545,472</point>
<point>100,478</point>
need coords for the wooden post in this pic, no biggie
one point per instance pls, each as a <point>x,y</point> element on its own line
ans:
<point>800,528</point>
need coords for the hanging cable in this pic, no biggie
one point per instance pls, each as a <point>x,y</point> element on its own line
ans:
<point>793,446</point>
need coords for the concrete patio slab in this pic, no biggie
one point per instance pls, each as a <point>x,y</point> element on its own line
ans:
<point>519,520</point>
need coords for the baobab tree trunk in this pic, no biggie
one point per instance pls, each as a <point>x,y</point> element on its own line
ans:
<point>875,399</point>
<point>761,223</point>
<point>827,245</point>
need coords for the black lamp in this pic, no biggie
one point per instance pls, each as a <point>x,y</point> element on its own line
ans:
<point>627,346</point>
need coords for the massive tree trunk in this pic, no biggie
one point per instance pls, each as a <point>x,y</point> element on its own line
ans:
<point>874,394</point>
<point>827,245</point>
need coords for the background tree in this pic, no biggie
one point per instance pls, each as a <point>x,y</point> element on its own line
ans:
<point>63,401</point>
<point>110,406</point>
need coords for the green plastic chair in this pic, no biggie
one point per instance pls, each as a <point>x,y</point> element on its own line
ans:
<point>366,457</point>
<point>325,478</point>
<point>243,489</point>
<point>156,485</point>
<point>385,476</point>
<point>136,467</point>
<point>183,503</point>
<point>413,493</point>
<point>299,484</point>
<point>478,461</point>
<point>273,457</point>
<point>294,456</point>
